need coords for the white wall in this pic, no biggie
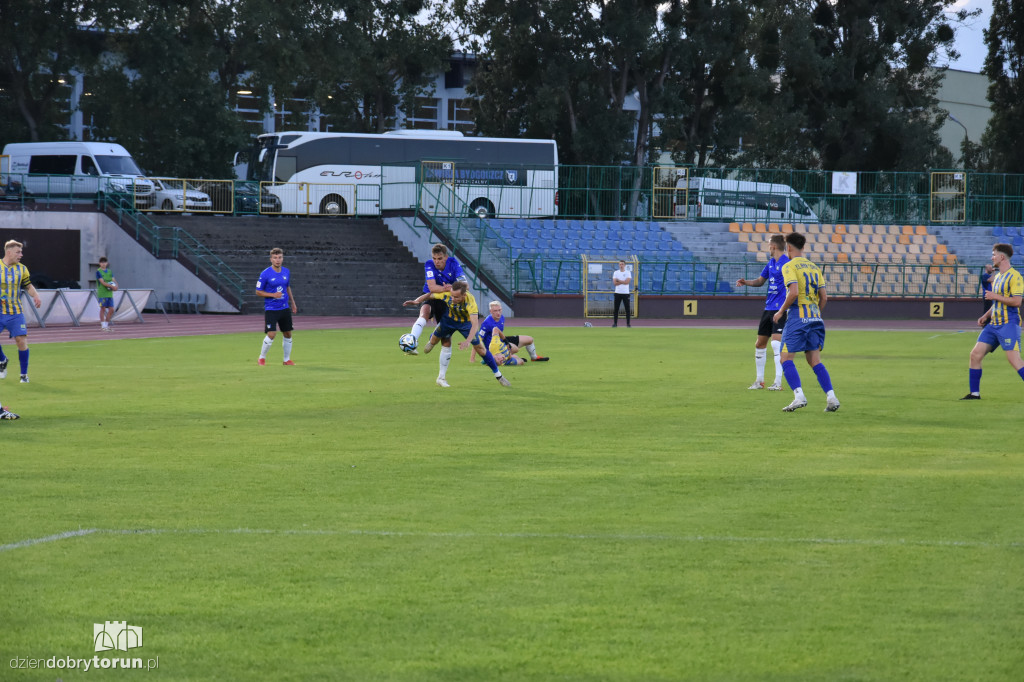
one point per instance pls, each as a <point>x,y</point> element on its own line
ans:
<point>133,265</point>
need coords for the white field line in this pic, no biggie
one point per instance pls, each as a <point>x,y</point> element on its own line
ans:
<point>598,537</point>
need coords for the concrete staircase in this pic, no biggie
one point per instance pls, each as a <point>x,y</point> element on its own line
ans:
<point>339,266</point>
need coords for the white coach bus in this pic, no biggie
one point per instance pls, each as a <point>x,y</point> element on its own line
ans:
<point>701,197</point>
<point>364,174</point>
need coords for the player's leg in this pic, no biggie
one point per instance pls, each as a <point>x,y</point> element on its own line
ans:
<point>528,343</point>
<point>270,331</point>
<point>760,359</point>
<point>22,344</point>
<point>629,305</point>
<point>792,341</point>
<point>421,321</point>
<point>824,380</point>
<point>988,341</point>
<point>444,359</point>
<point>3,358</point>
<point>485,353</point>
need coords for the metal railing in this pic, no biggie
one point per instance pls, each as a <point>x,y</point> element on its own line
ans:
<point>552,275</point>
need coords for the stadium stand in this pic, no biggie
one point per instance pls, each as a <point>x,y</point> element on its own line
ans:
<point>866,260</point>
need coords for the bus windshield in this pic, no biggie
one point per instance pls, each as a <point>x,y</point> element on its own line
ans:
<point>261,159</point>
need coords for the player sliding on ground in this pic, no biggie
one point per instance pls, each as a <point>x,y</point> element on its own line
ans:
<point>502,347</point>
<point>461,315</point>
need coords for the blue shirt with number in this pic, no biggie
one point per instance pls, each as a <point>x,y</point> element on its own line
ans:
<point>449,274</point>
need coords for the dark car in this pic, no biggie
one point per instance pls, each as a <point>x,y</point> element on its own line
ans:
<point>248,199</point>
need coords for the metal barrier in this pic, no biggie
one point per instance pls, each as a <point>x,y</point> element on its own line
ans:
<point>865,279</point>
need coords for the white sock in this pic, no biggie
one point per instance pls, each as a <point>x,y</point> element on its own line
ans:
<point>777,349</point>
<point>831,395</point>
<point>417,327</point>
<point>103,324</point>
<point>532,351</point>
<point>798,393</point>
<point>760,357</point>
<point>444,358</point>
<point>287,349</point>
<point>267,343</point>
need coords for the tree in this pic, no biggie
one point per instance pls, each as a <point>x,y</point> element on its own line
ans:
<point>1004,66</point>
<point>371,57</point>
<point>856,87</point>
<point>41,44</point>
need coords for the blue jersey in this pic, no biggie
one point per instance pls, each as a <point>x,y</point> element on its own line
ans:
<point>776,286</point>
<point>271,281</point>
<point>451,273</point>
<point>487,329</point>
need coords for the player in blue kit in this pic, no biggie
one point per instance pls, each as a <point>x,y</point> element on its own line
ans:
<point>805,331</point>
<point>769,328</point>
<point>274,286</point>
<point>502,347</point>
<point>441,271</point>
<point>1003,319</point>
<point>461,315</point>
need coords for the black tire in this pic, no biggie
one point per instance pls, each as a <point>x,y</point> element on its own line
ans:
<point>481,208</point>
<point>333,204</point>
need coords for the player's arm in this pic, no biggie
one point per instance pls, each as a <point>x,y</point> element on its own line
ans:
<point>1011,301</point>
<point>435,288</point>
<point>419,299</point>
<point>792,291</point>
<point>822,298</point>
<point>751,282</point>
<point>291,300</point>
<point>30,288</point>
<point>475,319</point>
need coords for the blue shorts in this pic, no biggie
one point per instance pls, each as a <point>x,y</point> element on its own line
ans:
<point>803,334</point>
<point>14,324</point>
<point>106,301</point>
<point>1005,335</point>
<point>448,327</point>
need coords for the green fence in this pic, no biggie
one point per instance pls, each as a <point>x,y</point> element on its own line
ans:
<point>543,275</point>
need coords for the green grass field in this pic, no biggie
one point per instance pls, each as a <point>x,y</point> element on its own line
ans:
<point>627,511</point>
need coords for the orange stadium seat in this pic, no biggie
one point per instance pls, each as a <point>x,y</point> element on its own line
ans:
<point>734,227</point>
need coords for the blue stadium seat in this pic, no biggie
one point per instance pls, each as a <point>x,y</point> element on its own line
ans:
<point>997,231</point>
<point>1010,231</point>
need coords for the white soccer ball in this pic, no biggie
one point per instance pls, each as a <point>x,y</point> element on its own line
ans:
<point>407,342</point>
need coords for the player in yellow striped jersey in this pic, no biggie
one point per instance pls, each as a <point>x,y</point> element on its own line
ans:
<point>13,278</point>
<point>461,316</point>
<point>1002,320</point>
<point>805,330</point>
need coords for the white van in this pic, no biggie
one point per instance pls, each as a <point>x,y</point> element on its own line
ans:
<point>740,200</point>
<point>77,170</point>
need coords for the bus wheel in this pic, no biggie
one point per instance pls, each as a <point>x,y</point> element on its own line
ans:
<point>333,204</point>
<point>481,208</point>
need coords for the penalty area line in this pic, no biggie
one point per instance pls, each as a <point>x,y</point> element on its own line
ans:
<point>598,537</point>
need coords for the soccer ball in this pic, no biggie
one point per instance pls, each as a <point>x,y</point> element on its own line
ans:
<point>407,342</point>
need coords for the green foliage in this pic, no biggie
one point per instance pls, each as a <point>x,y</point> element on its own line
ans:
<point>627,511</point>
<point>1005,40</point>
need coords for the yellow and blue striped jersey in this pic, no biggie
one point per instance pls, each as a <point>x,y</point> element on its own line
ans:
<point>808,279</point>
<point>1009,283</point>
<point>459,312</point>
<point>12,279</point>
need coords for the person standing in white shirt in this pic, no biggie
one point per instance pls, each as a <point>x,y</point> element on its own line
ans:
<point>621,279</point>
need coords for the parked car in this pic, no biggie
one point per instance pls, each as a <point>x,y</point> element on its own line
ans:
<point>174,194</point>
<point>248,199</point>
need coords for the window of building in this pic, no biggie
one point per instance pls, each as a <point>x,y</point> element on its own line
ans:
<point>460,117</point>
<point>424,114</point>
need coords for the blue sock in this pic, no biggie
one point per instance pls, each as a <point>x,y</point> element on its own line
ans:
<point>975,380</point>
<point>489,359</point>
<point>824,380</point>
<point>3,358</point>
<point>1021,372</point>
<point>23,359</point>
<point>792,376</point>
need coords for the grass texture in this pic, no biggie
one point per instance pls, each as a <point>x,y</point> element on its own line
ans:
<point>627,511</point>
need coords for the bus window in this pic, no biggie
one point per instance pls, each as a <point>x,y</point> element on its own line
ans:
<point>52,164</point>
<point>797,206</point>
<point>284,169</point>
